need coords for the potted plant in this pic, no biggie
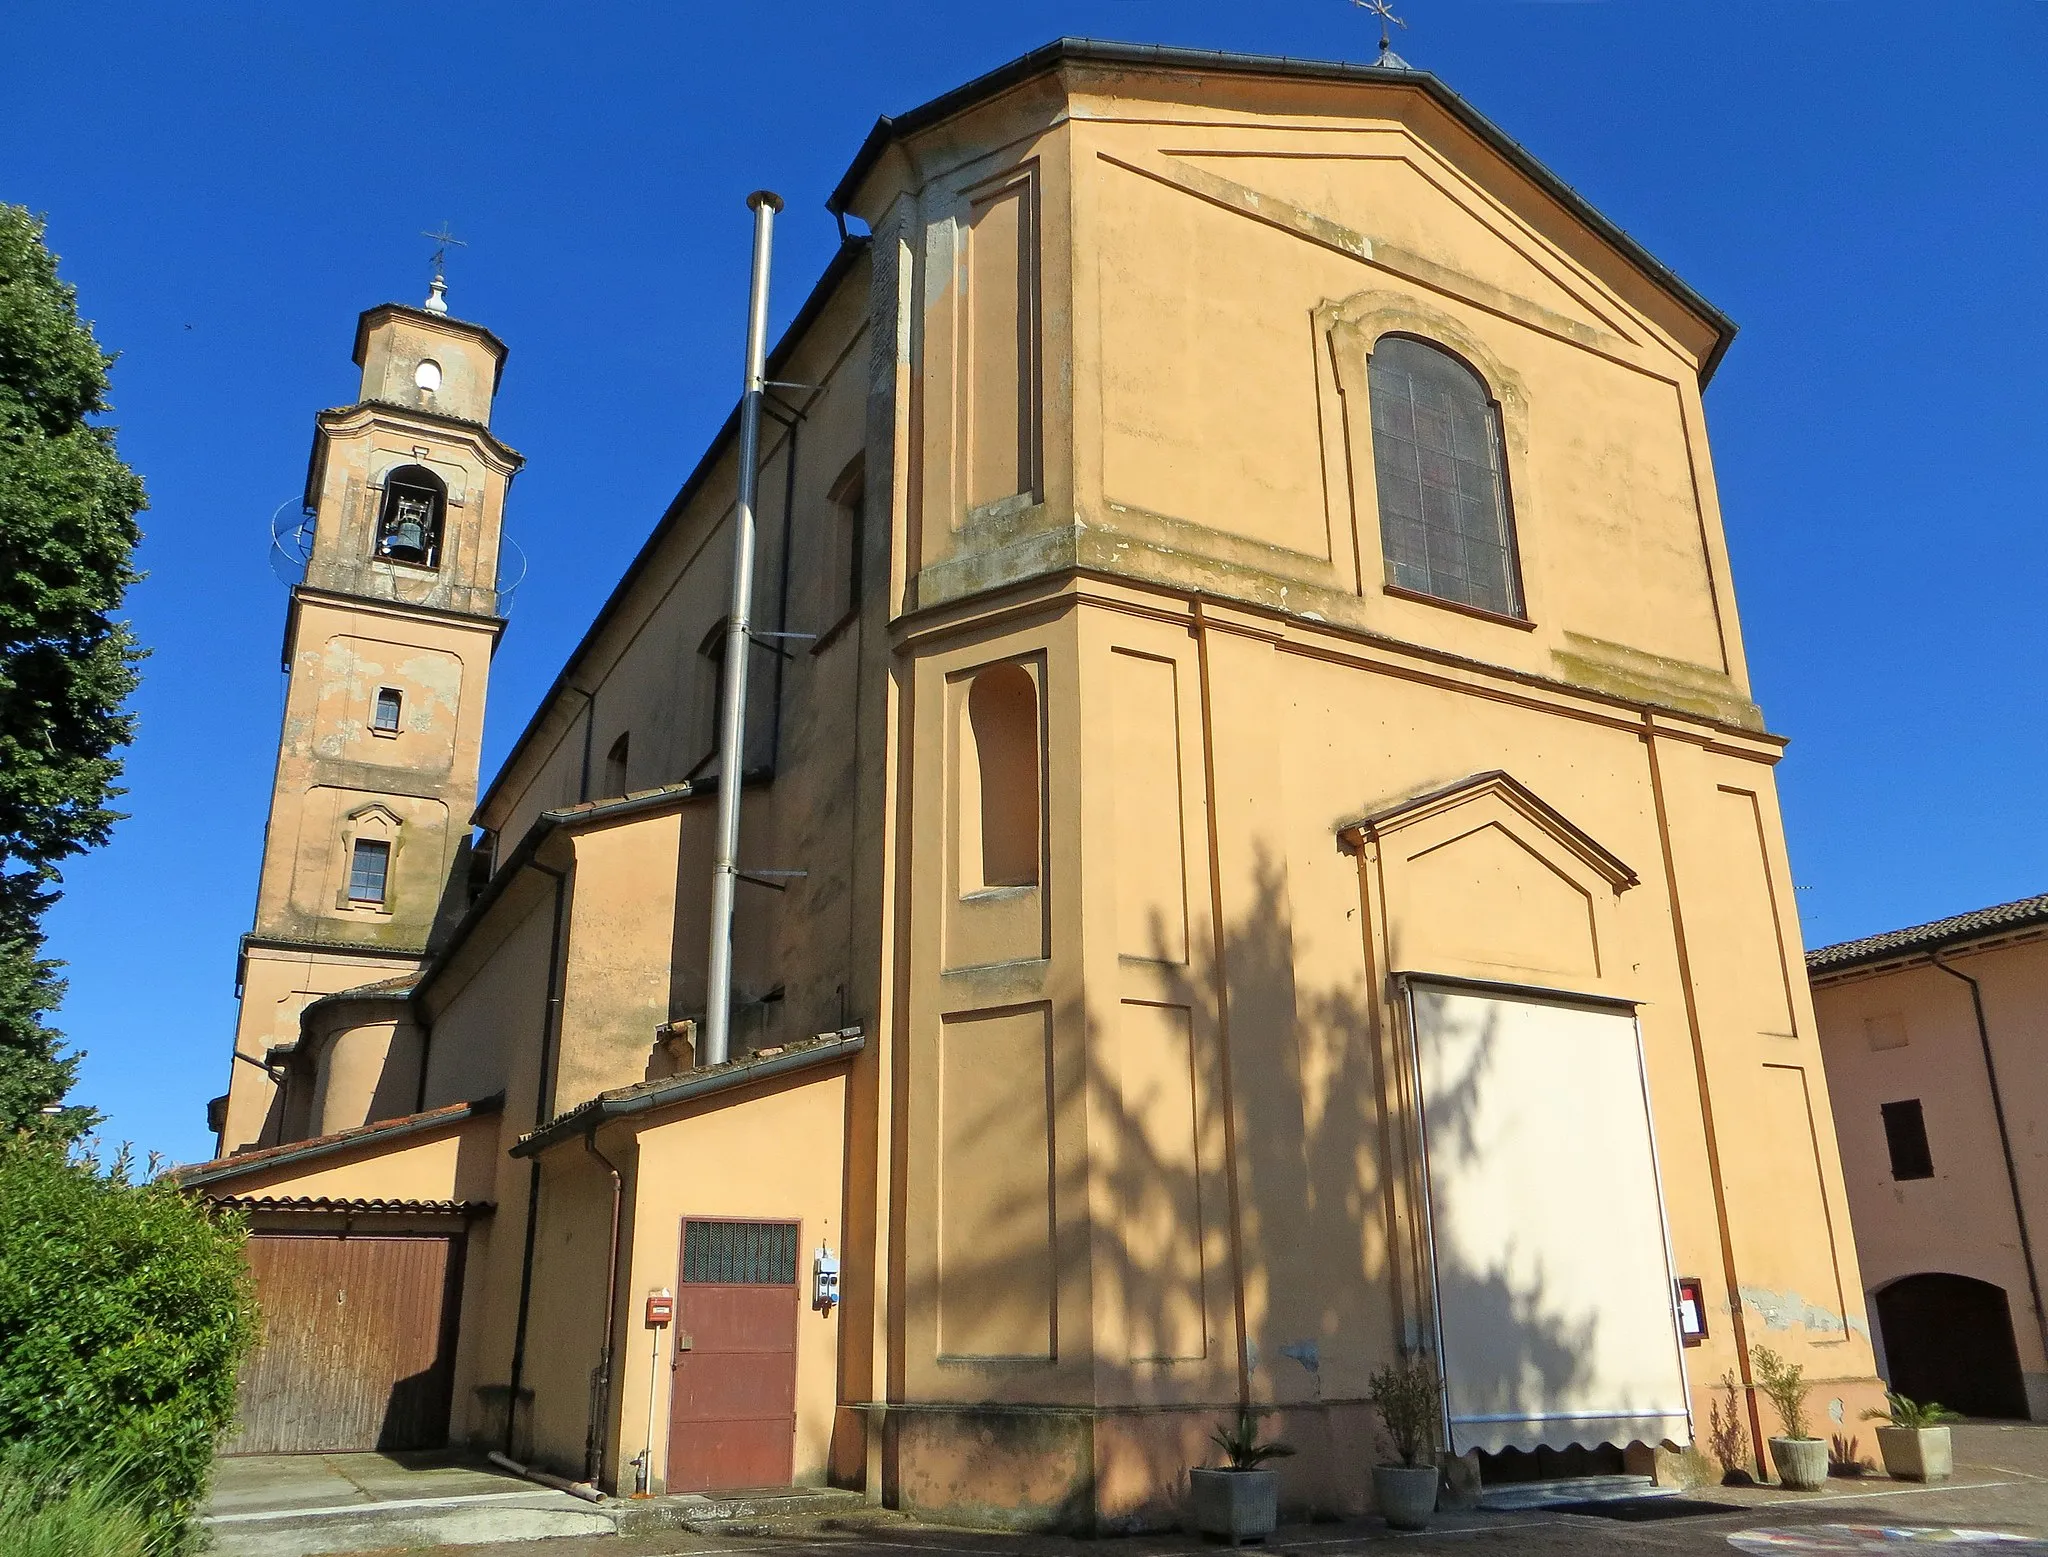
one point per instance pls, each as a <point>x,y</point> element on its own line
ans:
<point>1801,1459</point>
<point>1405,1397</point>
<point>1915,1444</point>
<point>1240,1500</point>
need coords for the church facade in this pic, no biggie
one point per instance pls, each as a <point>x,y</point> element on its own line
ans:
<point>1260,861</point>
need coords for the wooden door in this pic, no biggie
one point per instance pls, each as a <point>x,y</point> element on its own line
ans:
<point>732,1407</point>
<point>358,1344</point>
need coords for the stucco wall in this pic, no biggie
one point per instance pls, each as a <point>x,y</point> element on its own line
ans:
<point>1926,1046</point>
<point>775,1151</point>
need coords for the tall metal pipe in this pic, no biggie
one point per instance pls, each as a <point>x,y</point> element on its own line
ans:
<point>739,630</point>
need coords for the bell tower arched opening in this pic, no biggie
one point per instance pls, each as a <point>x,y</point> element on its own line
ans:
<point>410,520</point>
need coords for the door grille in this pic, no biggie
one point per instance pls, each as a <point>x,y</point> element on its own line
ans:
<point>747,1254</point>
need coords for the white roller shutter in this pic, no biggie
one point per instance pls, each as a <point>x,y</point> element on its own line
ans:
<point>1556,1313</point>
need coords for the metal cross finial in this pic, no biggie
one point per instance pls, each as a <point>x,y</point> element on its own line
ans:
<point>443,239</point>
<point>437,289</point>
<point>1384,10</point>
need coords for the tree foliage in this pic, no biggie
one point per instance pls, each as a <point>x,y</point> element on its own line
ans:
<point>67,536</point>
<point>125,1311</point>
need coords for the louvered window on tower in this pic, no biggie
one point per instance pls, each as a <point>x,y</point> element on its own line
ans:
<point>409,524</point>
<point>368,869</point>
<point>1444,520</point>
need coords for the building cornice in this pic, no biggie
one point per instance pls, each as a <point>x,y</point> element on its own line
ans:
<point>889,131</point>
<point>368,319</point>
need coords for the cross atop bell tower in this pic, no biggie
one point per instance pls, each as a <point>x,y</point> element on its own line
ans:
<point>388,644</point>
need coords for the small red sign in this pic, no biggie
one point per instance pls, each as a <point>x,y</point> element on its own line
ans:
<point>661,1308</point>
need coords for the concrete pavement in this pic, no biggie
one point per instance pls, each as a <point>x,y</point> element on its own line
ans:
<point>2000,1491</point>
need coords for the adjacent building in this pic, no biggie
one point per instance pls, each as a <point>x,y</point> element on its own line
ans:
<point>1261,858</point>
<point>1933,1037</point>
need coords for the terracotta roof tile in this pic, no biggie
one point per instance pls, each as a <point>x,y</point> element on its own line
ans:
<point>2001,919</point>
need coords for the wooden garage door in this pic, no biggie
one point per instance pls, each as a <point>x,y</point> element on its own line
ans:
<point>358,1344</point>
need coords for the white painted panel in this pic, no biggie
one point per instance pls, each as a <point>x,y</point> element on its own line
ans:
<point>1555,1304</point>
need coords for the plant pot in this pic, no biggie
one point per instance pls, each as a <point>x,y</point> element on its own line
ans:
<point>1406,1494</point>
<point>1916,1453</point>
<point>1235,1505</point>
<point>1801,1462</point>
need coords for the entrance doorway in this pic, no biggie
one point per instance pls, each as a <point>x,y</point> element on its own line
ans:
<point>1556,1316</point>
<point>732,1406</point>
<point>1949,1338</point>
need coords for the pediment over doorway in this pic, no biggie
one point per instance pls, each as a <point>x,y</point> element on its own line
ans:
<point>1485,877</point>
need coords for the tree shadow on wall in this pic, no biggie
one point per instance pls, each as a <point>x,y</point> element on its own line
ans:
<point>1279,1122</point>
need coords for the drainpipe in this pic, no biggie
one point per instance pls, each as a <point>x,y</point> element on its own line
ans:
<point>543,1103</point>
<point>2012,1175</point>
<point>601,1394</point>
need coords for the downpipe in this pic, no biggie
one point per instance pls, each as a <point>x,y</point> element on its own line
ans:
<point>601,1384</point>
<point>2012,1173</point>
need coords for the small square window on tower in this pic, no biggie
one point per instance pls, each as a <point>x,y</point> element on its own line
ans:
<point>368,869</point>
<point>389,705</point>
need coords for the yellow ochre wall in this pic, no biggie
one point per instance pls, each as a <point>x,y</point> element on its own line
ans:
<point>1152,1108</point>
<point>1132,1137</point>
<point>1909,1031</point>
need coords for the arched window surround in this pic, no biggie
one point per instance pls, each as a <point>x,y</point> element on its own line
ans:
<point>1354,329</point>
<point>412,517</point>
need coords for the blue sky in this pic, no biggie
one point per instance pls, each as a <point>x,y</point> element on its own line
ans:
<point>1861,185</point>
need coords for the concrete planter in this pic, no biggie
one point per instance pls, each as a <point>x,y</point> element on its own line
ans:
<point>1916,1453</point>
<point>1235,1505</point>
<point>1801,1462</point>
<point>1406,1494</point>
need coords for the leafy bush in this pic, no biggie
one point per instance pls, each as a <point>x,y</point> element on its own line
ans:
<point>1405,1397</point>
<point>1242,1446</point>
<point>1784,1386</point>
<point>1728,1433</point>
<point>1901,1412</point>
<point>124,1313</point>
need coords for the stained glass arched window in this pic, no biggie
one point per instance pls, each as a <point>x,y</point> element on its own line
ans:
<point>1445,525</point>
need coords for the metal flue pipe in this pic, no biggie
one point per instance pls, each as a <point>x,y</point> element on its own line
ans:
<point>739,632</point>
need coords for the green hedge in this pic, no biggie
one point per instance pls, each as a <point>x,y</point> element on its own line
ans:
<point>125,1310</point>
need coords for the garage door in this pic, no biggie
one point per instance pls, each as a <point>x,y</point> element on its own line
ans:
<point>358,1344</point>
<point>1556,1313</point>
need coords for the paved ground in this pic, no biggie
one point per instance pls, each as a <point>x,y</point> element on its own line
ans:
<point>269,1483</point>
<point>2000,1488</point>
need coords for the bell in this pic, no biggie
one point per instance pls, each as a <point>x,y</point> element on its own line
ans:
<point>406,541</point>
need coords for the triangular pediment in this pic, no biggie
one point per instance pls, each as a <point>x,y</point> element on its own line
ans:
<point>1529,817</point>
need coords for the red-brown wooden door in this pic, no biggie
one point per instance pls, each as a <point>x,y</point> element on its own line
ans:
<point>358,1347</point>
<point>732,1405</point>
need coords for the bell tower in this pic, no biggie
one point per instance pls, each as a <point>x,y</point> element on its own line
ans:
<point>387,646</point>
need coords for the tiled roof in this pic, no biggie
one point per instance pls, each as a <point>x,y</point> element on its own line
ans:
<point>686,1085</point>
<point>199,1173</point>
<point>2002,919</point>
<point>350,1207</point>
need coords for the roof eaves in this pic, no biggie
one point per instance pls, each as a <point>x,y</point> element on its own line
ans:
<point>1915,941</point>
<point>688,1087</point>
<point>888,130</point>
<point>849,252</point>
<point>326,1145</point>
